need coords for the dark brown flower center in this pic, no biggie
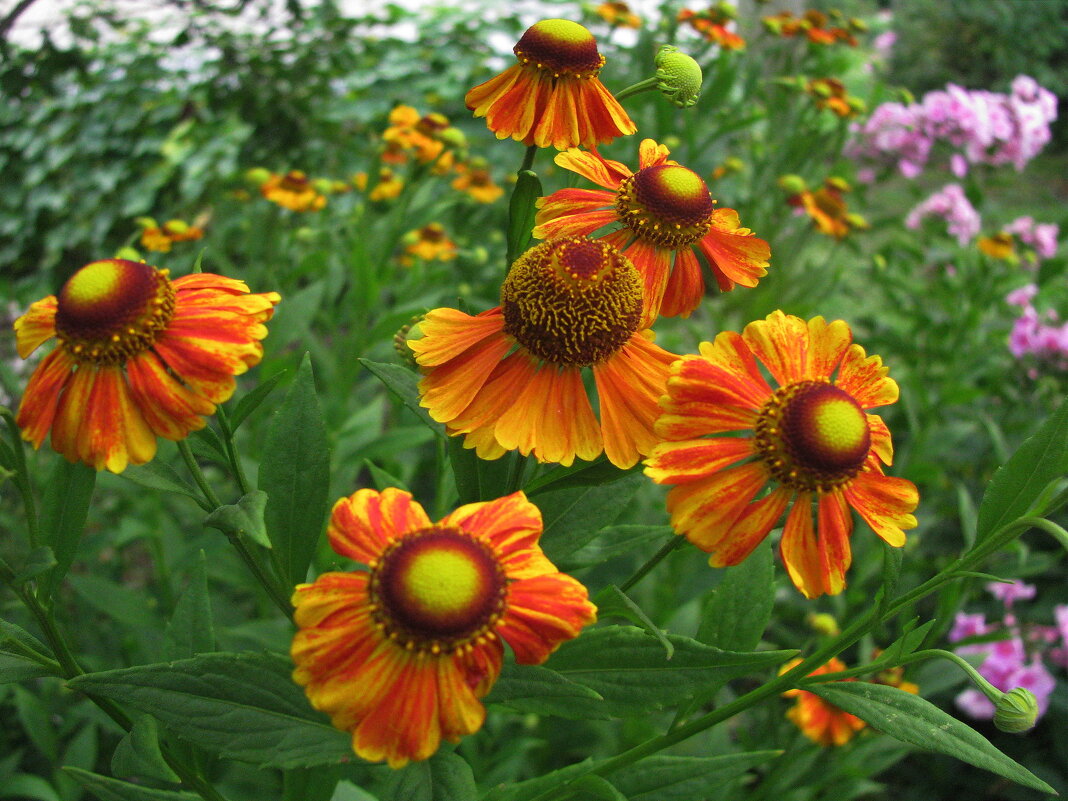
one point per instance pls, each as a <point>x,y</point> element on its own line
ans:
<point>666,204</point>
<point>560,47</point>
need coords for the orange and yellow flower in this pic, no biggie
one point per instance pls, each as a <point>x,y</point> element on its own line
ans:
<point>831,94</point>
<point>139,356</point>
<point>812,440</point>
<point>160,238</point>
<point>712,24</point>
<point>476,181</point>
<point>293,191</point>
<point>826,205</point>
<point>399,654</point>
<point>1001,245</point>
<point>388,187</point>
<point>813,23</point>
<point>428,243</point>
<point>818,720</point>
<point>512,377</point>
<point>666,215</point>
<point>409,133</point>
<point>618,14</point>
<point>552,97</point>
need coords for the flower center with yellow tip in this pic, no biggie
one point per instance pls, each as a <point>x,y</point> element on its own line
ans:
<point>437,590</point>
<point>666,204</point>
<point>813,436</point>
<point>111,310</point>
<point>559,47</point>
<point>572,301</point>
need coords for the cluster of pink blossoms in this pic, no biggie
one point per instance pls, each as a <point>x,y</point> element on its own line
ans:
<point>980,127</point>
<point>1040,237</point>
<point>1037,333</point>
<point>1016,659</point>
<point>951,205</point>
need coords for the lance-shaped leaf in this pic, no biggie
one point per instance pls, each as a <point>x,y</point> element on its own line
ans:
<point>521,213</point>
<point>443,777</point>
<point>107,789</point>
<point>532,688</point>
<point>739,610</point>
<point>63,511</point>
<point>403,384</point>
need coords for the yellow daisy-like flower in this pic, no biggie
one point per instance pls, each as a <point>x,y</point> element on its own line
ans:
<point>665,214</point>
<point>428,243</point>
<point>477,182</point>
<point>400,654</point>
<point>552,97</point>
<point>618,14</point>
<point>161,238</point>
<point>140,356</point>
<point>812,440</point>
<point>512,377</point>
<point>293,191</point>
<point>820,721</point>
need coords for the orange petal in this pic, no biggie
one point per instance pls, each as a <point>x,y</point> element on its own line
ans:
<point>40,401</point>
<point>693,459</point>
<point>563,202</point>
<point>36,326</point>
<point>685,288</point>
<point>512,525</point>
<point>512,112</point>
<point>481,97</point>
<point>696,379</point>
<point>552,418</point>
<point>731,353</point>
<point>799,549</point>
<point>448,332</point>
<point>498,393</point>
<point>170,409</point>
<point>864,377</point>
<point>734,254</point>
<point>654,265</point>
<point>607,119</point>
<point>834,526</point>
<point>481,665</point>
<point>209,281</point>
<point>781,342</point>
<point>362,525</point>
<point>826,344</point>
<point>449,388</point>
<point>459,711</point>
<point>580,224</point>
<point>881,444</point>
<point>112,432</point>
<point>886,503</point>
<point>629,385</point>
<point>593,167</point>
<point>750,529</point>
<point>704,511</point>
<point>541,612</point>
<point>652,154</point>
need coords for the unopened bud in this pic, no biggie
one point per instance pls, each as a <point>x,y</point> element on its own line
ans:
<point>128,253</point>
<point>823,623</point>
<point>176,226</point>
<point>679,76</point>
<point>409,332</point>
<point>258,176</point>
<point>324,186</point>
<point>792,184</point>
<point>1016,711</point>
<point>454,138</point>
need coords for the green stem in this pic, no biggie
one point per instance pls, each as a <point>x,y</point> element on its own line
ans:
<point>528,159</point>
<point>672,543</point>
<point>640,86</point>
<point>231,451</point>
<point>198,475</point>
<point>515,472</point>
<point>22,479</point>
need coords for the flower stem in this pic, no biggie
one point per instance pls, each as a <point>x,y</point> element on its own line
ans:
<point>640,86</point>
<point>198,475</point>
<point>231,451</point>
<point>528,158</point>
<point>22,478</point>
<point>672,543</point>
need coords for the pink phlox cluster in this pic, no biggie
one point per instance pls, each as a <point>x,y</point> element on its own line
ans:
<point>1040,237</point>
<point>950,204</point>
<point>1037,333</point>
<point>981,127</point>
<point>1010,662</point>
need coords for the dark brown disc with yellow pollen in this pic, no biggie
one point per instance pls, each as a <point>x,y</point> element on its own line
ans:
<point>813,436</point>
<point>572,301</point>
<point>111,310</point>
<point>560,47</point>
<point>666,204</point>
<point>437,590</point>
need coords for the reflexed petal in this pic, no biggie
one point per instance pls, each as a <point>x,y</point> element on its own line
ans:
<point>652,154</point>
<point>629,385</point>
<point>593,167</point>
<point>654,265</point>
<point>781,343</point>
<point>881,444</point>
<point>577,224</point>
<point>826,344</point>
<point>459,711</point>
<point>72,409</point>
<point>37,325</point>
<point>497,394</point>
<point>362,525</point>
<point>513,112</point>
<point>480,98</point>
<point>40,401</point>
<point>704,511</point>
<point>686,286</point>
<point>734,254</point>
<point>112,432</point>
<point>750,529</point>
<point>799,549</point>
<point>607,118</point>
<point>448,332</point>
<point>835,524</point>
<point>886,503</point>
<point>864,377</point>
<point>170,409</point>
<point>451,387</point>
<point>693,459</point>
<point>541,612</point>
<point>731,352</point>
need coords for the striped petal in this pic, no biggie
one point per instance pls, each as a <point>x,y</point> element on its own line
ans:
<point>781,342</point>
<point>799,549</point>
<point>886,503</point>
<point>593,167</point>
<point>705,511</point>
<point>171,409</point>
<point>864,377</point>
<point>750,529</point>
<point>512,525</point>
<point>685,288</point>
<point>541,612</point>
<point>734,254</point>
<point>36,326</point>
<point>694,459</point>
<point>834,526</point>
<point>37,411</point>
<point>362,525</point>
<point>827,342</point>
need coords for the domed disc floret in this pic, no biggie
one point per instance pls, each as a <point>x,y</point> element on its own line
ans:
<point>666,204</point>
<point>437,590</point>
<point>560,47</point>
<point>813,436</point>
<point>572,301</point>
<point>111,310</point>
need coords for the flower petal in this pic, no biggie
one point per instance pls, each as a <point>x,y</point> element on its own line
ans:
<point>694,459</point>
<point>362,525</point>
<point>541,612</point>
<point>886,503</point>
<point>734,254</point>
<point>448,332</point>
<point>864,377</point>
<point>685,287</point>
<point>799,549</point>
<point>750,529</point>
<point>593,167</point>
<point>652,154</point>
<point>781,342</point>
<point>111,432</point>
<point>450,388</point>
<point>834,525</point>
<point>512,525</point>
<point>881,444</point>
<point>170,409</point>
<point>705,511</point>
<point>36,326</point>
<point>827,342</point>
<point>37,411</point>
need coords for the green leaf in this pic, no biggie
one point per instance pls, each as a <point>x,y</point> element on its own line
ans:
<point>208,445</point>
<point>968,516</point>
<point>250,402</point>
<point>108,789</point>
<point>15,639</point>
<point>627,667</point>
<point>34,564</point>
<point>910,640</point>
<point>612,601</point>
<point>1042,459</point>
<point>383,478</point>
<point>578,474</point>
<point>240,705</point>
<point>26,785</point>
<point>15,668</point>
<point>612,541</point>
<point>911,719</point>
<point>531,788</point>
<point>521,212</point>
<point>596,787</point>
<point>892,560</point>
<point>243,519</point>
<point>158,475</point>
<point>309,784</point>
<point>735,617</point>
<point>138,752</point>
<point>190,630</point>
<point>129,607</point>
<point>532,688</point>
<point>403,384</point>
<point>573,516</point>
<point>295,474</point>
<point>63,511</point>
<point>683,778</point>
<point>443,777</point>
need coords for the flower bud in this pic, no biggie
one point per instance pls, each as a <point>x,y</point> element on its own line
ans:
<point>128,253</point>
<point>792,184</point>
<point>454,138</point>
<point>176,226</point>
<point>407,333</point>
<point>1016,711</point>
<point>258,176</point>
<point>822,623</point>
<point>324,186</point>
<point>679,76</point>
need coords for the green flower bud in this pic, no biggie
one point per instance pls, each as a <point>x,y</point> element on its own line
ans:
<point>1016,711</point>
<point>147,222</point>
<point>128,253</point>
<point>176,226</point>
<point>406,334</point>
<point>258,176</point>
<point>454,138</point>
<point>324,186</point>
<point>792,184</point>
<point>678,76</point>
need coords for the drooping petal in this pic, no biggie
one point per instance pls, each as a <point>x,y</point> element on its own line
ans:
<point>362,525</point>
<point>629,384</point>
<point>170,409</point>
<point>704,511</point>
<point>36,326</point>
<point>865,378</point>
<point>834,525</point>
<point>734,254</point>
<point>506,382</point>
<point>112,432</point>
<point>606,116</point>
<point>799,549</point>
<point>40,401</point>
<point>827,342</point>
<point>513,113</point>
<point>654,266</point>
<point>576,224</point>
<point>694,459</point>
<point>885,502</point>
<point>459,711</point>
<point>781,342</point>
<point>481,97</point>
<point>541,612</point>
<point>593,167</point>
<point>448,332</point>
<point>451,387</point>
<point>685,287</point>
<point>72,409</point>
<point>881,444</point>
<point>750,529</point>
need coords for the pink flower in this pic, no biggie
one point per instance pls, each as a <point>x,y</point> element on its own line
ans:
<point>1023,296</point>
<point>1010,592</point>
<point>950,204</point>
